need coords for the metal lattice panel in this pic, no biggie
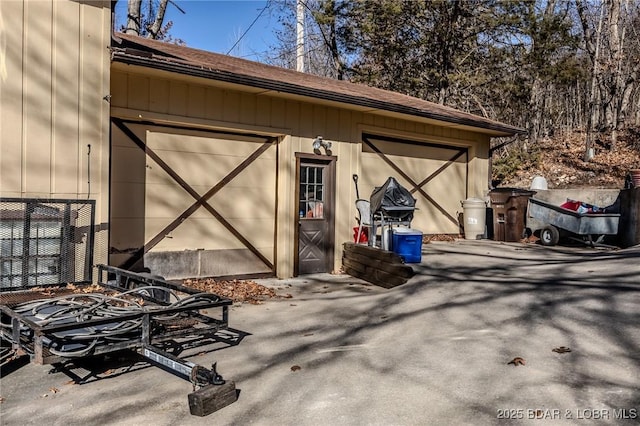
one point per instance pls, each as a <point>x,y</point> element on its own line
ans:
<point>44,242</point>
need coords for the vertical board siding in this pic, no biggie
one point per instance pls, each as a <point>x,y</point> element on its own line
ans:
<point>52,105</point>
<point>278,113</point>
<point>11,98</point>
<point>119,87</point>
<point>213,111</point>
<point>332,124</point>
<point>319,122</point>
<point>230,106</point>
<point>178,94</point>
<point>195,102</point>
<point>158,95</point>
<point>37,98</point>
<point>138,92</point>
<point>94,110</point>
<point>247,109</point>
<point>51,102</point>
<point>345,121</point>
<point>66,97</point>
<point>305,125</point>
<point>264,111</point>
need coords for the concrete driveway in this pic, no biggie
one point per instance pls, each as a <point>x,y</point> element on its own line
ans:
<point>433,351</point>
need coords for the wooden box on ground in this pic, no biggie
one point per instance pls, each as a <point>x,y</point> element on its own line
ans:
<point>379,267</point>
<point>211,398</point>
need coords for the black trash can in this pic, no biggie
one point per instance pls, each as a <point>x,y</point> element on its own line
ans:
<point>509,211</point>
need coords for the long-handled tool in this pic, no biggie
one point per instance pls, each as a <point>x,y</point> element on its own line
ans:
<point>355,180</point>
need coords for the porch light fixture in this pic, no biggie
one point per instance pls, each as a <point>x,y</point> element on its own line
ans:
<point>318,142</point>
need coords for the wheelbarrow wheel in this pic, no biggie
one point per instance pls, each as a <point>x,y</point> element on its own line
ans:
<point>549,236</point>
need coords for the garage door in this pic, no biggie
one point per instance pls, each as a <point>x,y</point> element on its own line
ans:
<point>191,203</point>
<point>436,175</point>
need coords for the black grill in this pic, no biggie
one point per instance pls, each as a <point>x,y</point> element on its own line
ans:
<point>393,201</point>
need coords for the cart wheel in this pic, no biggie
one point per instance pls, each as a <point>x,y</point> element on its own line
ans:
<point>549,236</point>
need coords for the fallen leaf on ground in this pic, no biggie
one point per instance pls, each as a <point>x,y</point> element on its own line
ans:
<point>426,239</point>
<point>517,361</point>
<point>236,290</point>
<point>295,368</point>
<point>561,349</point>
<point>1,399</point>
<point>93,288</point>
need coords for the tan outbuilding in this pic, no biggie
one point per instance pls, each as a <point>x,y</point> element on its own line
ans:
<point>208,166</point>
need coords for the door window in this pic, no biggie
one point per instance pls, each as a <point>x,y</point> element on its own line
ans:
<point>312,190</point>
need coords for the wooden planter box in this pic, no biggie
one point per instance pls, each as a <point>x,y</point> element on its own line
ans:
<point>380,267</point>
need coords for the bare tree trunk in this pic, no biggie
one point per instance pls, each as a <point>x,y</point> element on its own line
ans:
<point>535,111</point>
<point>638,111</point>
<point>537,98</point>
<point>592,42</point>
<point>627,83</point>
<point>327,18</point>
<point>155,28</point>
<point>133,17</point>
<point>616,43</point>
<point>335,54</point>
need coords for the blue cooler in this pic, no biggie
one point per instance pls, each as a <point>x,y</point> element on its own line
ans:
<point>407,243</point>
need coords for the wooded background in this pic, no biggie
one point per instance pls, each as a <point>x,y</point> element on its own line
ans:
<point>543,65</point>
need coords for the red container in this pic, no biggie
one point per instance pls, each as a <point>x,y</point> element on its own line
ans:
<point>364,235</point>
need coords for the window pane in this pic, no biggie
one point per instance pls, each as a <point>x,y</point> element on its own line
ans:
<point>311,192</point>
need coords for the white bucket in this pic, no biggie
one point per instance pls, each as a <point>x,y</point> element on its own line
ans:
<point>475,218</point>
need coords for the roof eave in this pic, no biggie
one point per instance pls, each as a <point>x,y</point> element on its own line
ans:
<point>495,129</point>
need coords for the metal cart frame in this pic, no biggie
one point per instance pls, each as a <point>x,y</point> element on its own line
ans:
<point>55,322</point>
<point>30,338</point>
<point>551,220</point>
